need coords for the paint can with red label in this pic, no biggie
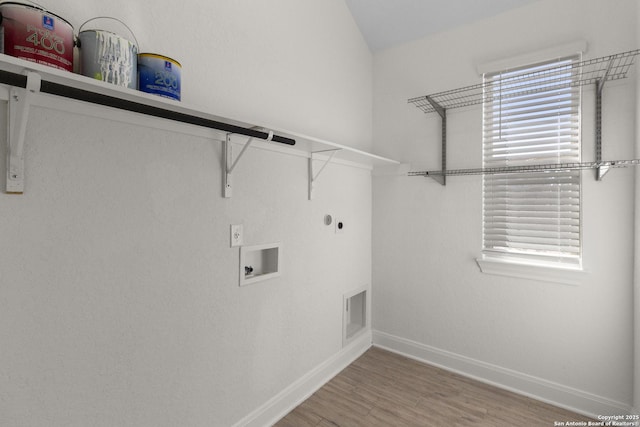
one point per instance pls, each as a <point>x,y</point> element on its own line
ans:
<point>30,32</point>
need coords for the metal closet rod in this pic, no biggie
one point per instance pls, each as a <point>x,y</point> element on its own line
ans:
<point>19,80</point>
<point>530,168</point>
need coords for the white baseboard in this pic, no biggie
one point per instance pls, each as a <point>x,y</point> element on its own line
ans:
<point>537,388</point>
<point>281,404</point>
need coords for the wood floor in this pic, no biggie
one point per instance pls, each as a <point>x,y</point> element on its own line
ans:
<point>385,389</point>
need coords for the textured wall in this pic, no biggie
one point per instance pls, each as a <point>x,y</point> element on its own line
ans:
<point>636,388</point>
<point>119,296</point>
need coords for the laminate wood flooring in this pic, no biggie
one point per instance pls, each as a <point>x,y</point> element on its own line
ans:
<point>385,389</point>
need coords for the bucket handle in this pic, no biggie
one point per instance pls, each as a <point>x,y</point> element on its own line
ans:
<point>37,5</point>
<point>115,19</point>
<point>41,7</point>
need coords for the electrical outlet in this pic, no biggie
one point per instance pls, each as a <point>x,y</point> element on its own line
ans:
<point>237,235</point>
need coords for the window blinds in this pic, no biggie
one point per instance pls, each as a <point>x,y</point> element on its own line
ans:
<point>532,116</point>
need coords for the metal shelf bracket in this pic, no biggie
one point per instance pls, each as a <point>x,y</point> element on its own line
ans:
<point>313,177</point>
<point>230,164</point>
<point>18,115</point>
<point>601,170</point>
<point>442,112</point>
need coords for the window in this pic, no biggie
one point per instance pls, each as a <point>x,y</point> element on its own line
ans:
<point>532,117</point>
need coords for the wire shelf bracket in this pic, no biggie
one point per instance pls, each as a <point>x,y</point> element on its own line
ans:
<point>601,171</point>
<point>442,112</point>
<point>593,71</point>
<point>18,114</point>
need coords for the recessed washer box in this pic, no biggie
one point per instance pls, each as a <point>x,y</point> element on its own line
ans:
<point>259,262</point>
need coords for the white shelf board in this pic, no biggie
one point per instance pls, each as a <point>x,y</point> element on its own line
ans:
<point>310,144</point>
<point>20,66</point>
<point>305,144</point>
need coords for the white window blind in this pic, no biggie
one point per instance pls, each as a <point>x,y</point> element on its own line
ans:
<point>532,116</point>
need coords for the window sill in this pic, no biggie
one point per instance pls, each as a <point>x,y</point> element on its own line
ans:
<point>531,271</point>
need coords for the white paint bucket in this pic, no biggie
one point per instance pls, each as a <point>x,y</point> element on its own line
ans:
<point>107,56</point>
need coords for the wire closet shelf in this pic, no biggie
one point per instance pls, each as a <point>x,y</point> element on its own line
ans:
<point>593,71</point>
<point>551,167</point>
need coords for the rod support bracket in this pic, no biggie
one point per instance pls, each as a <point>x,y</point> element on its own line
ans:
<point>18,114</point>
<point>230,164</point>
<point>313,176</point>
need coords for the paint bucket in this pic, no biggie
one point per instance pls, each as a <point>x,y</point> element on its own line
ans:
<point>32,33</point>
<point>159,75</point>
<point>107,56</point>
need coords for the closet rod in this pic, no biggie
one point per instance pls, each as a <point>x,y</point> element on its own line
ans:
<point>19,80</point>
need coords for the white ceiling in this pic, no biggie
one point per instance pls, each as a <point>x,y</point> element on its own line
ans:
<point>386,23</point>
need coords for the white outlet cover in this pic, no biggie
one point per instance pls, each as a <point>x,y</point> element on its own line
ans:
<point>237,235</point>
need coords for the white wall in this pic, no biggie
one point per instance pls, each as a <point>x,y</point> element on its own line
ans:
<point>570,342</point>
<point>119,296</point>
<point>636,387</point>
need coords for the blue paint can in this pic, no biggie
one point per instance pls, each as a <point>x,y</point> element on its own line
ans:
<point>159,75</point>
